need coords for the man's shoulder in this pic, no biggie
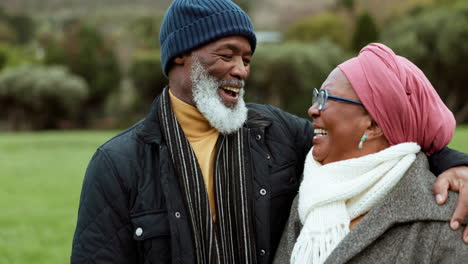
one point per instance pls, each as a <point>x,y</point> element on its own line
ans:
<point>124,144</point>
<point>274,115</point>
<point>268,112</point>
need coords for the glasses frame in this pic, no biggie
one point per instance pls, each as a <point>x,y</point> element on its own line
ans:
<point>326,96</point>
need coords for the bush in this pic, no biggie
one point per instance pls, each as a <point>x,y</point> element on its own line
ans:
<point>441,54</point>
<point>7,34</point>
<point>14,55</point>
<point>90,55</point>
<point>18,28</point>
<point>366,32</point>
<point>146,31</point>
<point>285,74</point>
<point>325,25</point>
<point>244,4</point>
<point>23,26</point>
<point>348,4</point>
<point>38,97</point>
<point>148,77</point>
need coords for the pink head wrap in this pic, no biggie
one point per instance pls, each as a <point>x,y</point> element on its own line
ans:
<point>400,98</point>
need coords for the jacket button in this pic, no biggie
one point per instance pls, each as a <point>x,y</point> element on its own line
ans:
<point>139,231</point>
<point>292,180</point>
<point>268,156</point>
<point>177,214</point>
<point>263,192</point>
<point>262,252</point>
<point>258,137</point>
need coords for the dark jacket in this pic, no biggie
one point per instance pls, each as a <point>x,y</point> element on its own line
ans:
<point>407,226</point>
<point>131,208</point>
<point>130,188</point>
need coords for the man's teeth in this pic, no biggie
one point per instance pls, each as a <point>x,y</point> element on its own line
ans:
<point>320,132</point>
<point>232,89</point>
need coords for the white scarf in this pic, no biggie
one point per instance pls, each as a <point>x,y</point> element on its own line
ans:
<point>332,195</point>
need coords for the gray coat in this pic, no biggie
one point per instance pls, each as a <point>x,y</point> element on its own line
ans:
<point>406,227</point>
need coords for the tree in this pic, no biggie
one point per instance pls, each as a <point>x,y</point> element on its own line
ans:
<point>146,30</point>
<point>23,26</point>
<point>366,32</point>
<point>285,74</point>
<point>349,6</point>
<point>89,55</point>
<point>148,78</point>
<point>441,54</point>
<point>244,4</point>
<point>325,25</point>
<point>7,34</point>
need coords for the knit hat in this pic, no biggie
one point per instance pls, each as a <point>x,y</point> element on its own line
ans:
<point>189,24</point>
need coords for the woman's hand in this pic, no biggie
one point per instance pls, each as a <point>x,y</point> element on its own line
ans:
<point>455,179</point>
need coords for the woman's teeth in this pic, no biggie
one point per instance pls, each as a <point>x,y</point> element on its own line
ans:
<point>320,132</point>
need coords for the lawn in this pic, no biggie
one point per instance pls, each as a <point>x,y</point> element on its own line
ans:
<point>460,139</point>
<point>41,176</point>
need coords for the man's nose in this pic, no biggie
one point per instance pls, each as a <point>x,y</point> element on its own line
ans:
<point>240,70</point>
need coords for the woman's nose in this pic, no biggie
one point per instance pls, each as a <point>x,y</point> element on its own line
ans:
<point>313,111</point>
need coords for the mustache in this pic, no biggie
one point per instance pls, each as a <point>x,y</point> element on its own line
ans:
<point>234,83</point>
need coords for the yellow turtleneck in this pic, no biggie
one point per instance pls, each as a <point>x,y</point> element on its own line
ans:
<point>202,137</point>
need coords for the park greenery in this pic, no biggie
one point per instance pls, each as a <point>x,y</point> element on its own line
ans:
<point>72,70</point>
<point>38,97</point>
<point>117,61</point>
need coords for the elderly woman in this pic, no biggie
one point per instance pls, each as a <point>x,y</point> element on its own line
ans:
<point>366,196</point>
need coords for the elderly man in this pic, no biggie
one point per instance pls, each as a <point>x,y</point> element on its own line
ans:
<point>204,178</point>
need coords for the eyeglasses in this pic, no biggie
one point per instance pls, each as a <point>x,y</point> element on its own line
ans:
<point>320,97</point>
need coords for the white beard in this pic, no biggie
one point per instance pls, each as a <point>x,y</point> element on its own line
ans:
<point>207,100</point>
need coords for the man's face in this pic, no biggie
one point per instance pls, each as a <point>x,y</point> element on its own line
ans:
<point>227,60</point>
<point>217,78</point>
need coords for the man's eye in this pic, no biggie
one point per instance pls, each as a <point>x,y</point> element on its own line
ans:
<point>227,56</point>
<point>246,61</point>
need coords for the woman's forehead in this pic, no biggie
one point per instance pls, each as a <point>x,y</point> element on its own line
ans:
<point>337,82</point>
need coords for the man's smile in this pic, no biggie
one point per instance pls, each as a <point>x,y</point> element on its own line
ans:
<point>229,95</point>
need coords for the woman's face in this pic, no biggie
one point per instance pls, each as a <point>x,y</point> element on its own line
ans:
<point>339,126</point>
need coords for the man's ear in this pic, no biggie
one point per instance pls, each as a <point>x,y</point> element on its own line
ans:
<point>179,60</point>
<point>374,131</point>
<point>182,59</point>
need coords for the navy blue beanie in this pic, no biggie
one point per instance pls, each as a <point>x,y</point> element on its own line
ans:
<point>189,24</point>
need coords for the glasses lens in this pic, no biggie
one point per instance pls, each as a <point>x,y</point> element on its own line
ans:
<point>321,99</point>
<point>315,96</point>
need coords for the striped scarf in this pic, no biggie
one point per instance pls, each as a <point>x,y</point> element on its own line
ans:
<point>230,239</point>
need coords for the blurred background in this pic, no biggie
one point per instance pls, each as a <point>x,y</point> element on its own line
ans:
<point>73,73</point>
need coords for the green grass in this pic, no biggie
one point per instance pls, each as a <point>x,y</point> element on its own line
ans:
<point>460,139</point>
<point>41,176</point>
<point>40,183</point>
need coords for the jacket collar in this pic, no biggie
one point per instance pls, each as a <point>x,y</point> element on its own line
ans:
<point>256,119</point>
<point>411,200</point>
<point>150,130</point>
